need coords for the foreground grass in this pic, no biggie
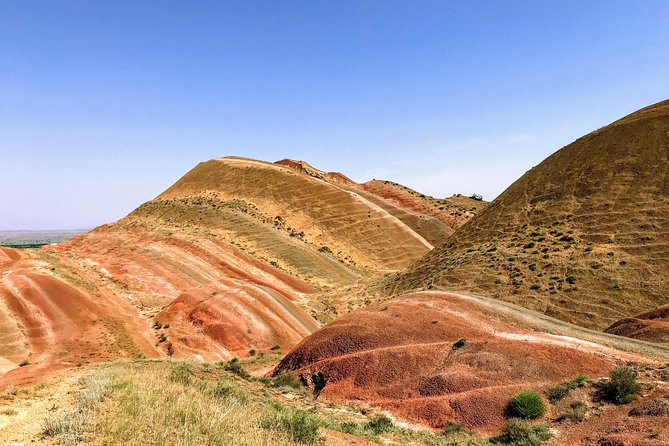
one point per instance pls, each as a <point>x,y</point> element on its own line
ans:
<point>185,404</point>
<point>180,404</point>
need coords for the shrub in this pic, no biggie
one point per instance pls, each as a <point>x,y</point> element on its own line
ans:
<point>24,363</point>
<point>252,352</point>
<point>285,379</point>
<point>235,367</point>
<point>275,347</point>
<point>162,337</point>
<point>521,433</point>
<point>182,373</point>
<point>453,428</point>
<point>571,279</point>
<point>527,405</point>
<point>157,325</point>
<point>379,424</point>
<point>535,286</point>
<point>556,393</point>
<point>166,326</point>
<point>622,387</point>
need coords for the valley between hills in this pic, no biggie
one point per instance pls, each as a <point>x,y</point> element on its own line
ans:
<point>258,303</point>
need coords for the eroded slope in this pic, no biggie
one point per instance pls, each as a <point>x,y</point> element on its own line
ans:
<point>433,357</point>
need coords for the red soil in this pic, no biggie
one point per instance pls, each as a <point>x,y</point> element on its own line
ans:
<point>652,326</point>
<point>46,319</point>
<point>401,356</point>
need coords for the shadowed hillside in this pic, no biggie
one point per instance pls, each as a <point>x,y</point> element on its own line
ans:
<point>583,236</point>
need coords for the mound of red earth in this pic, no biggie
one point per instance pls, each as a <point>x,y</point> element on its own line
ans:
<point>583,236</point>
<point>432,357</point>
<point>652,326</point>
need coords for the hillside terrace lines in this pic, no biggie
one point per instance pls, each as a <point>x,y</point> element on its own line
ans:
<point>301,259</point>
<point>310,202</point>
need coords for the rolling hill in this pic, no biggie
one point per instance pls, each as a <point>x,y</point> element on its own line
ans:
<point>583,236</point>
<point>231,258</point>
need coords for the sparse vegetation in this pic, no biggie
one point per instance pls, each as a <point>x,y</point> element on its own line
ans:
<point>285,379</point>
<point>182,373</point>
<point>453,428</point>
<point>299,424</point>
<point>576,412</point>
<point>235,367</point>
<point>73,425</point>
<point>527,405</point>
<point>379,424</point>
<point>521,433</point>
<point>556,393</point>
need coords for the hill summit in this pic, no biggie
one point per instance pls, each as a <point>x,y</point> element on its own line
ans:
<point>583,236</point>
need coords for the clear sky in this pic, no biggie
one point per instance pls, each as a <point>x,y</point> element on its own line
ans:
<point>104,104</point>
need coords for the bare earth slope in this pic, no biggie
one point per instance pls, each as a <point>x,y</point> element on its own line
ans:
<point>431,357</point>
<point>583,236</point>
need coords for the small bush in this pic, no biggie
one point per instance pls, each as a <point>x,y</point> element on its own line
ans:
<point>162,337</point>
<point>453,428</point>
<point>556,393</point>
<point>521,433</point>
<point>182,373</point>
<point>622,387</point>
<point>535,286</point>
<point>252,352</point>
<point>527,405</point>
<point>166,326</point>
<point>24,363</point>
<point>157,325</point>
<point>235,367</point>
<point>275,347</point>
<point>571,279</point>
<point>379,424</point>
<point>285,379</point>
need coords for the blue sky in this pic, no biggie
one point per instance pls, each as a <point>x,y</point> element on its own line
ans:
<point>105,104</point>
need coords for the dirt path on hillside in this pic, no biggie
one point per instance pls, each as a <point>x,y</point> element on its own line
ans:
<point>547,324</point>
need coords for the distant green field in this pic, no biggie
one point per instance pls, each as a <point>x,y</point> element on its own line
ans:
<point>35,239</point>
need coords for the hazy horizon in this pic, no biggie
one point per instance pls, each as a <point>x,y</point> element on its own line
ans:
<point>104,106</point>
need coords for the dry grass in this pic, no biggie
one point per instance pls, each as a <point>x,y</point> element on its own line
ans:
<point>166,404</point>
<point>76,424</point>
<point>186,404</point>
